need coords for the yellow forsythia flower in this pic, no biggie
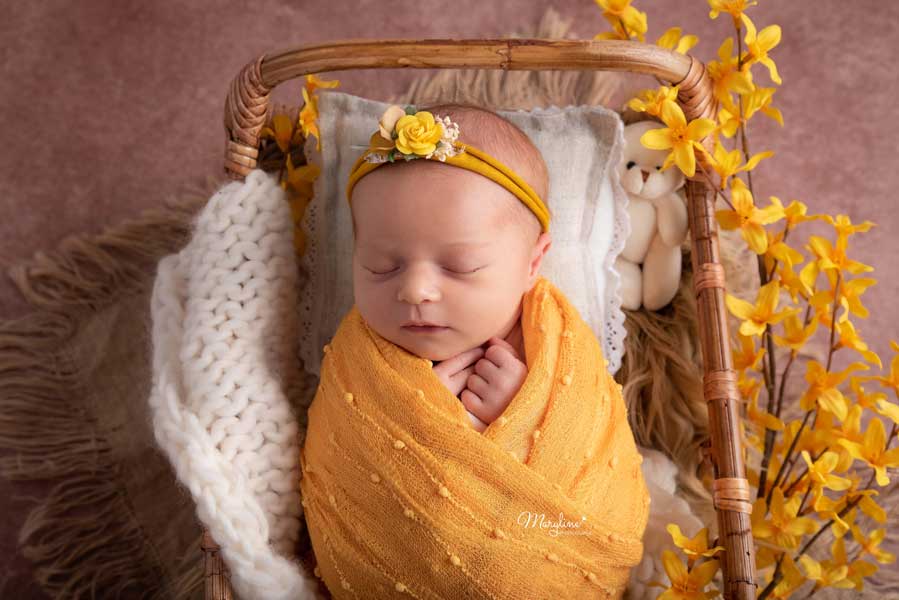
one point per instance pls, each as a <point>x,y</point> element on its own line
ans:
<point>728,78</point>
<point>873,451</point>
<point>651,101</point>
<point>759,44</point>
<point>795,334</point>
<point>871,545</point>
<point>792,579</point>
<point>687,585</point>
<point>820,471</point>
<point>858,569</point>
<point>620,12</point>
<point>834,257</point>
<point>313,83</point>
<point>849,338</point>
<point>696,546</point>
<point>672,40</point>
<point>309,116</point>
<point>782,527</point>
<point>747,356</point>
<point>826,573</point>
<point>679,136</point>
<point>866,400</point>
<point>298,182</point>
<point>822,389</point>
<point>762,418</point>
<point>759,99</point>
<point>758,316</point>
<point>891,380</point>
<point>282,130</point>
<point>746,217</point>
<point>727,164</point>
<point>734,7</point>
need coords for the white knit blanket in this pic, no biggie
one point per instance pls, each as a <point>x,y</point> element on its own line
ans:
<point>225,402</point>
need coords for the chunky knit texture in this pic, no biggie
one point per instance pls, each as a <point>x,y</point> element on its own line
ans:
<point>224,373</point>
<point>402,494</point>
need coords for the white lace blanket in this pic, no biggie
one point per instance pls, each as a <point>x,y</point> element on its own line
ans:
<point>224,398</point>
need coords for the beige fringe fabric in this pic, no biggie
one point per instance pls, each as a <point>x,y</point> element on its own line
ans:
<point>75,375</point>
<point>74,378</point>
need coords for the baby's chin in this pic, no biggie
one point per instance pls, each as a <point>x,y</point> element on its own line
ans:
<point>436,347</point>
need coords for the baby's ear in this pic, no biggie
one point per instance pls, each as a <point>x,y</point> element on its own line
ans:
<point>541,247</point>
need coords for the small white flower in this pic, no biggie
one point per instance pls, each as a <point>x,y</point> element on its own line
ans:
<point>374,157</point>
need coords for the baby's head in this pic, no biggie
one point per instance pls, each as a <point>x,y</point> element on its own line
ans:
<point>446,245</point>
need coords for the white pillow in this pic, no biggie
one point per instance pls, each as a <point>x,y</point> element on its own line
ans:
<point>581,146</point>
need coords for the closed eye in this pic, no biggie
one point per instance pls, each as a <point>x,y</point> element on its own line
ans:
<point>378,272</point>
<point>450,270</point>
<point>465,272</point>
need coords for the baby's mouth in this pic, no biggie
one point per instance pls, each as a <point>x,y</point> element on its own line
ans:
<point>424,328</point>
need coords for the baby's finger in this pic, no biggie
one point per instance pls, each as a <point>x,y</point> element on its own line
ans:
<point>459,379</point>
<point>486,369</point>
<point>473,403</point>
<point>479,386</point>
<point>502,357</point>
<point>455,364</point>
<point>495,341</point>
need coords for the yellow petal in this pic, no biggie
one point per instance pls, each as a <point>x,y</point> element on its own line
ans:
<point>728,219</point>
<point>739,308</point>
<point>700,128</point>
<point>673,115</point>
<point>702,574</point>
<point>685,159</point>
<point>755,236</point>
<point>669,38</point>
<point>675,569</point>
<point>752,162</point>
<point>769,37</point>
<point>657,139</point>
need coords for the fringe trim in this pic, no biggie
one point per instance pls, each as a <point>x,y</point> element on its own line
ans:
<point>513,90</point>
<point>82,537</point>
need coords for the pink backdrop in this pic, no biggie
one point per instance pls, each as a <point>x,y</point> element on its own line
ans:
<point>110,107</point>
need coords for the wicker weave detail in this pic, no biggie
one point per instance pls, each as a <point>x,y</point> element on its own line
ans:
<point>245,112</point>
<point>720,385</point>
<point>710,275</point>
<point>695,92</point>
<point>695,96</point>
<point>215,571</point>
<point>732,493</point>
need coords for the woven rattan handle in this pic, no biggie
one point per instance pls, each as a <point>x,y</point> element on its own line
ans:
<point>248,99</point>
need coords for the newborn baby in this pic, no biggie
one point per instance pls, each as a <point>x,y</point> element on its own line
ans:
<point>466,439</point>
<point>452,249</point>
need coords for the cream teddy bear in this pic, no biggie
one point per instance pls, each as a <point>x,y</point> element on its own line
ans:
<point>650,264</point>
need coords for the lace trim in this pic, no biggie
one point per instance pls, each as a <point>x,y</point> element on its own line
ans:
<point>614,321</point>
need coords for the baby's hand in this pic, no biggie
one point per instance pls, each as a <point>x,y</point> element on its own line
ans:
<point>497,378</point>
<point>454,372</point>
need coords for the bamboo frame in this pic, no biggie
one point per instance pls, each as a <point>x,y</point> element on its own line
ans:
<point>246,109</point>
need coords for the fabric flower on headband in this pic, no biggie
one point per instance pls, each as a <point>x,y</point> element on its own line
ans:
<point>411,134</point>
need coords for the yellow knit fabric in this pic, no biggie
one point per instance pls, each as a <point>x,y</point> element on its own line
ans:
<point>403,497</point>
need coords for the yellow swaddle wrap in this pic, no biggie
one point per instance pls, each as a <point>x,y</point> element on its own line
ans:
<point>403,497</point>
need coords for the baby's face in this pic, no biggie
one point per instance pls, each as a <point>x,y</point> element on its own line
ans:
<point>428,248</point>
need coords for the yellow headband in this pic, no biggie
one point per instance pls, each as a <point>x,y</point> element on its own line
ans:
<point>412,135</point>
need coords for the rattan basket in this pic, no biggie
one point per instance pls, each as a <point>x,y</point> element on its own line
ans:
<point>247,108</point>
